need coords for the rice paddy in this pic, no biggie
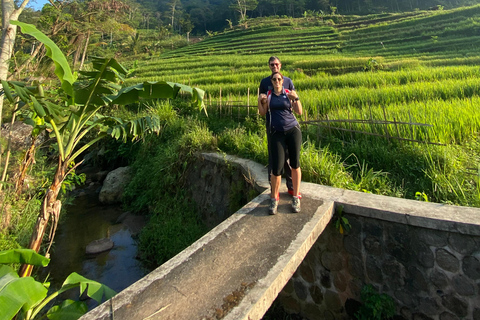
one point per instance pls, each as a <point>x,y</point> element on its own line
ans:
<point>408,82</point>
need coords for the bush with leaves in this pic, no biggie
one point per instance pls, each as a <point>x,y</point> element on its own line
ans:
<point>23,298</point>
<point>375,306</point>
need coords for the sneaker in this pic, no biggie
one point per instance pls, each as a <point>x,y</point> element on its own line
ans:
<point>290,191</point>
<point>296,204</point>
<point>273,206</point>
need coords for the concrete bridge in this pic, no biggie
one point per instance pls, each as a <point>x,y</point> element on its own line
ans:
<point>425,255</point>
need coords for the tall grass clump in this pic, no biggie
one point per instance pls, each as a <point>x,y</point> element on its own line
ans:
<point>323,167</point>
<point>159,188</point>
<point>244,143</point>
<point>20,214</point>
<point>454,176</point>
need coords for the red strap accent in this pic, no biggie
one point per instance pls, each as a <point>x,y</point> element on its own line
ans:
<point>269,95</point>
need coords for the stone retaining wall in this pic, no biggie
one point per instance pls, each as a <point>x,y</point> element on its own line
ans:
<point>431,274</point>
<point>219,188</point>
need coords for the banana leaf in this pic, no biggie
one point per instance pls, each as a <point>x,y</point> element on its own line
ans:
<point>62,68</point>
<point>18,293</point>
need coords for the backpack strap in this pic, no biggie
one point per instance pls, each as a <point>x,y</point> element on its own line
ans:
<point>269,96</point>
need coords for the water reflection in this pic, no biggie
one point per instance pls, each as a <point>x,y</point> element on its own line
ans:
<point>84,221</point>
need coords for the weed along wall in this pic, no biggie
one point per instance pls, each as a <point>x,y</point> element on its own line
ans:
<point>425,256</point>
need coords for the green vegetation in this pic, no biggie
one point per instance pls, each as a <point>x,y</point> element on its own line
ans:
<point>390,108</point>
<point>24,298</point>
<point>340,221</point>
<point>72,115</point>
<point>162,161</point>
<point>375,306</point>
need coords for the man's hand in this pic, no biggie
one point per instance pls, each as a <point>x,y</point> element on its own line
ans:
<point>292,95</point>
<point>262,98</point>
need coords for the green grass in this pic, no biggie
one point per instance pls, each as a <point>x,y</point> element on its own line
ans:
<point>422,68</point>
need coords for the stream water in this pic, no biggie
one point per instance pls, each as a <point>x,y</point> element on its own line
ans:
<point>87,220</point>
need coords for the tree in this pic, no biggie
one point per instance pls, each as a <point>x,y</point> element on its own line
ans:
<point>174,4</point>
<point>200,16</point>
<point>242,6</point>
<point>78,113</point>
<point>7,41</point>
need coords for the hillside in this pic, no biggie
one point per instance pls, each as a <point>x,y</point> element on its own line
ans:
<point>236,59</point>
<point>388,93</point>
<point>403,34</point>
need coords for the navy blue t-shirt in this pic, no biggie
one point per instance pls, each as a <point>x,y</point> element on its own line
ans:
<point>281,113</point>
<point>266,84</point>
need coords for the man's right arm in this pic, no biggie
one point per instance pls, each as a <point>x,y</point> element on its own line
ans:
<point>263,86</point>
<point>262,94</point>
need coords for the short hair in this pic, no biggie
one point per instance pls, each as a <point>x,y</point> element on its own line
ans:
<point>281,75</point>
<point>273,58</point>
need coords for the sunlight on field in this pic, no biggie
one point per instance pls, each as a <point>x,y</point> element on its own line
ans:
<point>405,78</point>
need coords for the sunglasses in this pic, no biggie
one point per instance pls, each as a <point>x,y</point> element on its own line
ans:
<point>277,79</point>
<point>274,64</point>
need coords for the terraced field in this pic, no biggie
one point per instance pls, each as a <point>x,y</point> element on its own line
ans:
<point>413,76</point>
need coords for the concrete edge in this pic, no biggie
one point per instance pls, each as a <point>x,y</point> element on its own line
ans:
<point>464,220</point>
<point>252,170</point>
<point>259,299</point>
<point>125,296</point>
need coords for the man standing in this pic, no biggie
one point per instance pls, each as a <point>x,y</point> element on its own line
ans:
<point>265,86</point>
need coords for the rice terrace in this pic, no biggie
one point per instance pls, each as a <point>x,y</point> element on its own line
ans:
<point>390,107</point>
<point>366,83</point>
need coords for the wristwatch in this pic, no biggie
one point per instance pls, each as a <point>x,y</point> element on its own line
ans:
<point>296,99</point>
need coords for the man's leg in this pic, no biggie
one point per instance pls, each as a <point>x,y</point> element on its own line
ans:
<point>288,173</point>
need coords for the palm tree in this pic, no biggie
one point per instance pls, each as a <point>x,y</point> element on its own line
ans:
<point>78,113</point>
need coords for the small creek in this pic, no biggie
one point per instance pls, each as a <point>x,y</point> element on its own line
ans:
<point>86,220</point>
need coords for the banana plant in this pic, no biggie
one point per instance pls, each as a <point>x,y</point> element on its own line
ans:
<point>23,298</point>
<point>78,111</point>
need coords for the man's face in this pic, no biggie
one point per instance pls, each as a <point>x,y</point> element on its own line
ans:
<point>275,65</point>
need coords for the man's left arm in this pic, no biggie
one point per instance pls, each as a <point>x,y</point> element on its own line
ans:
<point>288,84</point>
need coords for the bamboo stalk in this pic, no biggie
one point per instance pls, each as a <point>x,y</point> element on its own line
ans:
<point>368,121</point>
<point>328,122</point>
<point>350,125</point>
<point>396,127</point>
<point>381,135</point>
<point>248,102</point>
<point>411,128</point>
<point>220,110</point>
<point>386,125</point>
<point>238,111</point>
